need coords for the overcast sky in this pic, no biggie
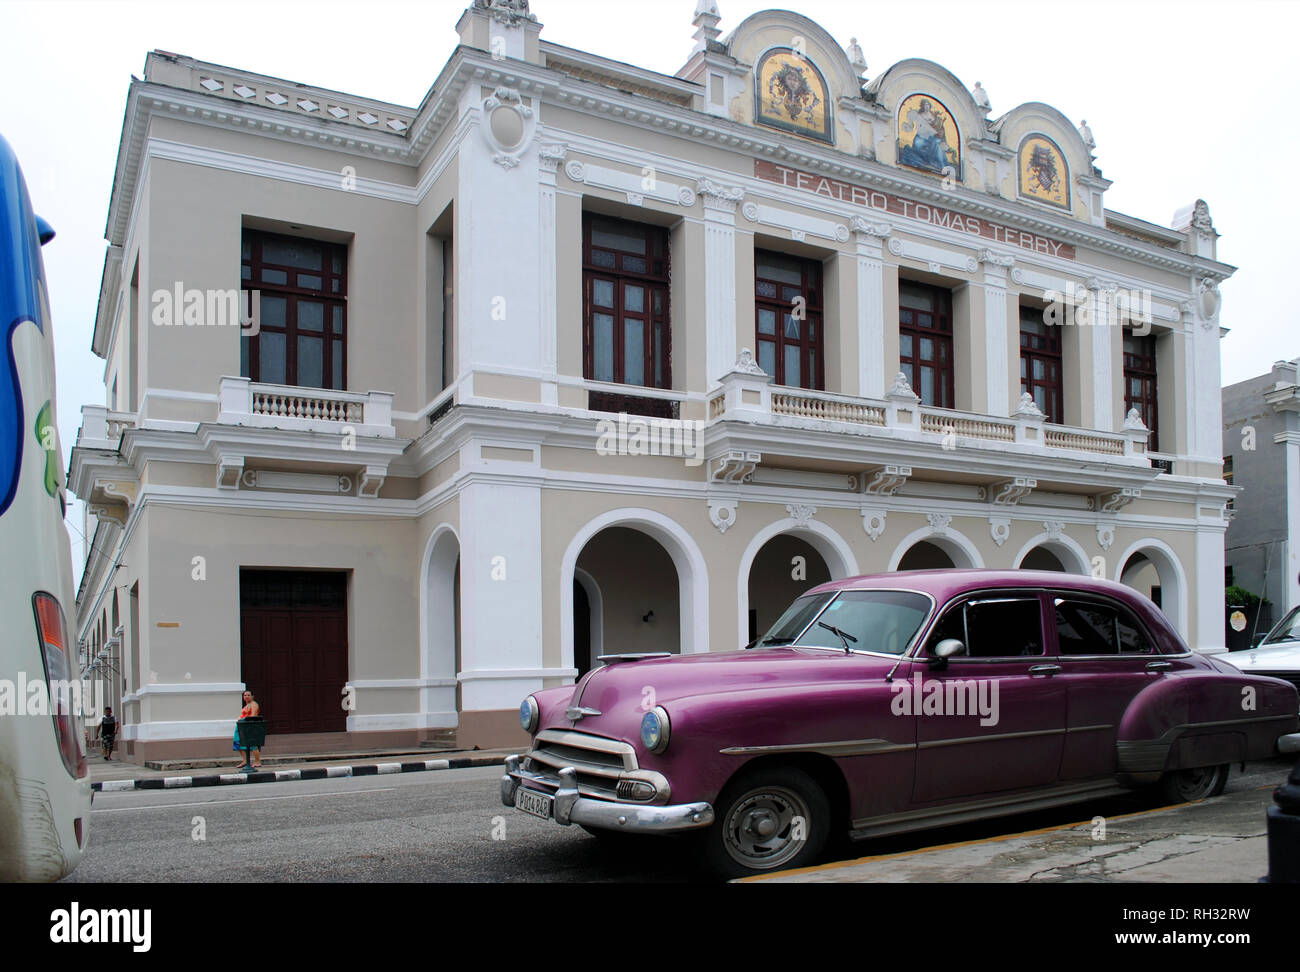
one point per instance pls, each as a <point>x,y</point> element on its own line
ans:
<point>1186,100</point>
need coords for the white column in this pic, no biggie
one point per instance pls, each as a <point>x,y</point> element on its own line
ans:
<point>1291,557</point>
<point>1101,298</point>
<point>550,156</point>
<point>997,378</point>
<point>500,592</point>
<point>1205,594</point>
<point>719,278</point>
<point>870,239</point>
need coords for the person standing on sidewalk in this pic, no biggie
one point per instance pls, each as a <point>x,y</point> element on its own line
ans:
<point>251,708</point>
<point>108,731</point>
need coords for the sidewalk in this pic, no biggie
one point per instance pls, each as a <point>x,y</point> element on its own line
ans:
<point>114,776</point>
<point>1217,841</point>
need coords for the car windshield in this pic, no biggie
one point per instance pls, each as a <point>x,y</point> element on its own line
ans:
<point>879,621</point>
<point>1287,630</point>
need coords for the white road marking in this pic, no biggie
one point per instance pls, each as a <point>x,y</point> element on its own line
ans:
<point>206,803</point>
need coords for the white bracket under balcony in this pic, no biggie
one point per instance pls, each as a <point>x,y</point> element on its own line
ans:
<point>1116,500</point>
<point>256,405</point>
<point>1009,492</point>
<point>733,467</point>
<point>885,480</point>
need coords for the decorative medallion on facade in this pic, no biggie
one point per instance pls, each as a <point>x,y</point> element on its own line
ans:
<point>1043,173</point>
<point>791,94</point>
<point>927,136</point>
<point>508,126</point>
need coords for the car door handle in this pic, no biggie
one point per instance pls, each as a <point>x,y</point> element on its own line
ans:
<point>1044,669</point>
<point>1158,666</point>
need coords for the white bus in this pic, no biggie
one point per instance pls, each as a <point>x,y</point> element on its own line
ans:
<point>44,781</point>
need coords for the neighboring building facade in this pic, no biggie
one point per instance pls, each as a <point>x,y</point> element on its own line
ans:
<point>1261,455</point>
<point>411,489</point>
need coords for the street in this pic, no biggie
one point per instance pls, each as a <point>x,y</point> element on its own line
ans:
<point>434,827</point>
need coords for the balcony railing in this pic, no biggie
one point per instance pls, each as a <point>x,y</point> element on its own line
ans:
<point>248,403</point>
<point>102,428</point>
<point>747,395</point>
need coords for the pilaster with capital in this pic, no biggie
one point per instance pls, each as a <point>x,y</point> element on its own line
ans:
<point>997,363</point>
<point>549,157</point>
<point>1101,296</point>
<point>870,237</point>
<point>719,276</point>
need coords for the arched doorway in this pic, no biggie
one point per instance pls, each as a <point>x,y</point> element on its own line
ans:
<point>784,567</point>
<point>1151,569</point>
<point>440,631</point>
<point>1060,553</point>
<point>935,549</point>
<point>626,597</point>
<point>690,633</point>
<point>925,556</point>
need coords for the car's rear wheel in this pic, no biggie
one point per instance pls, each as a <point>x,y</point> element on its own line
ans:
<point>767,820</point>
<point>1184,786</point>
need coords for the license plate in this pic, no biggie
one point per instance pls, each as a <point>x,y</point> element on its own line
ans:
<point>538,804</point>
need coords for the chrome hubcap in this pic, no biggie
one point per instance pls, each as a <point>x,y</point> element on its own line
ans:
<point>767,827</point>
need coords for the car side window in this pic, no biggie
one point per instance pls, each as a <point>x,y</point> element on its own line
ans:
<point>1004,627</point>
<point>1090,628</point>
<point>997,627</point>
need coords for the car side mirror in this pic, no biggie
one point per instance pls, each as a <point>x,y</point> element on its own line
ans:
<point>944,650</point>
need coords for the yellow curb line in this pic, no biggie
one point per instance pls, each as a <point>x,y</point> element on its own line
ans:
<point>964,843</point>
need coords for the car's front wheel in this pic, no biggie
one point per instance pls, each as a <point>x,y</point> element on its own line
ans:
<point>1184,786</point>
<point>767,820</point>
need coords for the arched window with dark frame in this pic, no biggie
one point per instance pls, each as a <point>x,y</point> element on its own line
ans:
<point>301,335</point>
<point>1040,363</point>
<point>625,279</point>
<point>925,341</point>
<point>788,319</point>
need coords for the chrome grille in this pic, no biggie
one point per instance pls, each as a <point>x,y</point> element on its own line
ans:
<point>598,762</point>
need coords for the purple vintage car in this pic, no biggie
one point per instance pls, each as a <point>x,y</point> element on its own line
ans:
<point>895,702</point>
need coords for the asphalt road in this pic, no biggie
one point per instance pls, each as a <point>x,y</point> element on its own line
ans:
<point>446,826</point>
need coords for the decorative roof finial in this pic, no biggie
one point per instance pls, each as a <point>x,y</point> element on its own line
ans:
<point>857,60</point>
<point>981,98</point>
<point>706,24</point>
<point>509,12</point>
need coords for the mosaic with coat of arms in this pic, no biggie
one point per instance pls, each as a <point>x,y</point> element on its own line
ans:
<point>927,136</point>
<point>791,94</point>
<point>1043,173</point>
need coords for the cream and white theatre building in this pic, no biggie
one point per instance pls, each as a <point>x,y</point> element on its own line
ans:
<point>882,326</point>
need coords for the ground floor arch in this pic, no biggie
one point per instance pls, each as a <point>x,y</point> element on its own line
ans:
<point>646,577</point>
<point>927,549</point>
<point>769,558</point>
<point>1059,553</point>
<point>1151,568</point>
<point>440,654</point>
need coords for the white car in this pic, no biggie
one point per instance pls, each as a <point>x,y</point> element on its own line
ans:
<point>1278,655</point>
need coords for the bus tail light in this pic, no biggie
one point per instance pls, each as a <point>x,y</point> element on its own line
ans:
<point>59,675</point>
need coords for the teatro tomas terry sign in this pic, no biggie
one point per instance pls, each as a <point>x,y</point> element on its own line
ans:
<point>887,203</point>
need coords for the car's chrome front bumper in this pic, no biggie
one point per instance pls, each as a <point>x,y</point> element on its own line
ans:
<point>570,808</point>
<point>1289,744</point>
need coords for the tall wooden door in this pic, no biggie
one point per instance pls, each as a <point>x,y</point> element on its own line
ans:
<point>294,647</point>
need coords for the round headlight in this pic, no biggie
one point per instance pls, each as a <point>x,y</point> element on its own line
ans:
<point>654,730</point>
<point>529,714</point>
